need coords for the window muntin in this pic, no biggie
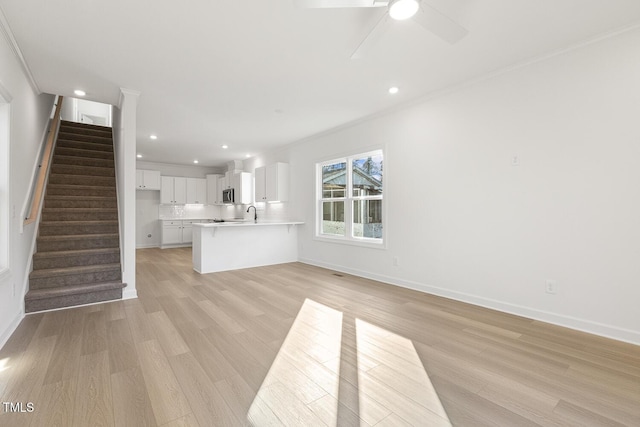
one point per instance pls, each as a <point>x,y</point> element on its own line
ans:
<point>350,202</point>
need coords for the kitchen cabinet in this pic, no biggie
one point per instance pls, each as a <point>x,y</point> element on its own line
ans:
<point>147,180</point>
<point>177,232</point>
<point>173,190</point>
<point>171,233</point>
<point>243,188</point>
<point>196,191</point>
<point>213,196</point>
<point>272,183</point>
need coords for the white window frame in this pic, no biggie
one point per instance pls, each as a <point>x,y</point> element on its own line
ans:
<point>5,188</point>
<point>348,199</point>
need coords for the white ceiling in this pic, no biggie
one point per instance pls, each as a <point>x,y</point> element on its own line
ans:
<point>256,74</point>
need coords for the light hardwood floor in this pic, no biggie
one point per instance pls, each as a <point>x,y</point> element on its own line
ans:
<point>298,345</point>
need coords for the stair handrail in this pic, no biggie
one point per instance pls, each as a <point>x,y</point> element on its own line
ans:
<point>43,167</point>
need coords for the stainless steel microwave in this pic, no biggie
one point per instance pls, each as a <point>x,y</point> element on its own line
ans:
<point>227,196</point>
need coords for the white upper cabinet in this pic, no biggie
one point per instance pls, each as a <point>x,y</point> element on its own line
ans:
<point>173,190</point>
<point>272,183</point>
<point>212,190</point>
<point>196,191</point>
<point>242,186</point>
<point>147,180</point>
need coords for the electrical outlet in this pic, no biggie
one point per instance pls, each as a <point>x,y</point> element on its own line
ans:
<point>396,261</point>
<point>551,287</point>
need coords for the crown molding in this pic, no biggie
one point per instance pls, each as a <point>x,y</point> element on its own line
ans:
<point>5,29</point>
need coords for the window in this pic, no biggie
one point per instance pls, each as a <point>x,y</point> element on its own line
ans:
<point>350,206</point>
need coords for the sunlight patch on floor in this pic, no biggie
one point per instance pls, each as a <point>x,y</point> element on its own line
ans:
<point>399,382</point>
<point>299,389</point>
<point>384,381</point>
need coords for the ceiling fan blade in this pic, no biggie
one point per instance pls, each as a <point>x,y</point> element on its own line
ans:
<point>322,4</point>
<point>439,24</point>
<point>372,37</point>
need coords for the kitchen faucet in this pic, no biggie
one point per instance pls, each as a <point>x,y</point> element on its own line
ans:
<point>255,213</point>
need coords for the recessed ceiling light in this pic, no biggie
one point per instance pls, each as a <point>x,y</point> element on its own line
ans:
<point>225,146</point>
<point>153,136</point>
<point>248,155</point>
<point>393,90</point>
<point>403,9</point>
<point>139,156</point>
<point>79,92</point>
<point>195,161</point>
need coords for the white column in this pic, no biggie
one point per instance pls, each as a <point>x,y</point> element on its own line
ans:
<point>126,172</point>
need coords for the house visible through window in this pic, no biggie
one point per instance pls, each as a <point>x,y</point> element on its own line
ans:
<point>350,206</point>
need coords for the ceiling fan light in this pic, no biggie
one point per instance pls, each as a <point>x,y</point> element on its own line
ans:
<point>403,9</point>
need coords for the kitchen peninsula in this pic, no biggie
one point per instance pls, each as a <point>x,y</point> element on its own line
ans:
<point>233,245</point>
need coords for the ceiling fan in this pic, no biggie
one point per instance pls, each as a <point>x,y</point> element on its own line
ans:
<point>427,16</point>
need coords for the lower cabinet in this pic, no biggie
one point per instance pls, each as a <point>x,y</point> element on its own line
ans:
<point>177,233</point>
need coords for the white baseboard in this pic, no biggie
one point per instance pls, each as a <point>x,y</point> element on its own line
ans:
<point>10,329</point>
<point>147,246</point>
<point>129,293</point>
<point>607,331</point>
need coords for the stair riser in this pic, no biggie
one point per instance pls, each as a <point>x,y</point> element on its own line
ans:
<point>97,181</point>
<point>76,244</point>
<point>75,260</point>
<point>61,230</point>
<point>79,216</point>
<point>82,161</point>
<point>74,279</point>
<point>57,302</point>
<point>64,151</point>
<point>87,192</point>
<point>82,170</point>
<point>65,203</point>
<point>85,145</point>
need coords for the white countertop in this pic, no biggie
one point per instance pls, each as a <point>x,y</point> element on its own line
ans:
<point>227,224</point>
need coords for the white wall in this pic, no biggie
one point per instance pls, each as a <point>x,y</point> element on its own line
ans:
<point>466,223</point>
<point>28,126</point>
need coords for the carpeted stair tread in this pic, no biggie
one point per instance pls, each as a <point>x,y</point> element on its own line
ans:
<point>57,254</point>
<point>79,236</point>
<point>80,190</point>
<point>36,294</point>
<point>91,222</point>
<point>72,134</point>
<point>82,161</point>
<point>67,271</point>
<point>91,180</point>
<point>87,143</point>
<point>83,170</point>
<point>63,210</point>
<point>78,152</point>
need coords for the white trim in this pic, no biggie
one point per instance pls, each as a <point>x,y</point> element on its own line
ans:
<point>11,328</point>
<point>129,293</point>
<point>583,325</point>
<point>5,29</point>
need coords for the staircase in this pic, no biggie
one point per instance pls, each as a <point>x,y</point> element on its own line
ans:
<point>78,246</point>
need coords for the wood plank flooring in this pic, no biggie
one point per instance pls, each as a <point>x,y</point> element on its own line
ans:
<point>299,345</point>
